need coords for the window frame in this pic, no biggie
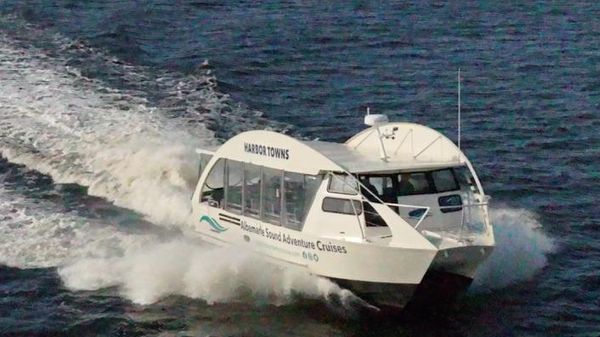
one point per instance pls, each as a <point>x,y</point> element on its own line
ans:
<point>307,208</point>
<point>456,183</point>
<point>331,178</point>
<point>206,185</point>
<point>353,201</point>
<point>263,218</point>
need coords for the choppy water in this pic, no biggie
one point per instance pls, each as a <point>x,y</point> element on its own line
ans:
<point>102,104</point>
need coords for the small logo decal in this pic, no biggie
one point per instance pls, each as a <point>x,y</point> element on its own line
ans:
<point>214,225</point>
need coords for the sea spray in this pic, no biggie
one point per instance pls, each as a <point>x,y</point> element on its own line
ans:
<point>215,275</point>
<point>123,150</point>
<point>94,136</point>
<point>520,252</point>
<point>35,234</point>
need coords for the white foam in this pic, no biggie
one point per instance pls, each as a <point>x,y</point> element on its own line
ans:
<point>179,267</point>
<point>36,234</point>
<point>520,252</point>
<point>78,131</point>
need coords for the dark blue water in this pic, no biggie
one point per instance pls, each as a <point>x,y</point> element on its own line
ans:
<point>531,115</point>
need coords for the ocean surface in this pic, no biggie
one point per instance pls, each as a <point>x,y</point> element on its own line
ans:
<point>103,103</point>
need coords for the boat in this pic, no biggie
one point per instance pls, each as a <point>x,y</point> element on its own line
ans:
<point>394,206</point>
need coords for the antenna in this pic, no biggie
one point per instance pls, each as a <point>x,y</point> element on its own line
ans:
<point>459,108</point>
<point>376,120</point>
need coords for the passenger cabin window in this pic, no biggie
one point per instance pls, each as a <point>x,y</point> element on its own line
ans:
<point>271,195</point>
<point>252,186</point>
<point>212,190</point>
<point>235,180</point>
<point>274,196</point>
<point>389,187</point>
<point>464,177</point>
<point>414,183</point>
<point>342,206</point>
<point>300,190</point>
<point>343,184</point>
<point>379,187</point>
<point>444,180</point>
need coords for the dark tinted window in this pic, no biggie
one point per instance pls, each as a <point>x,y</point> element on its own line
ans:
<point>446,203</point>
<point>444,180</point>
<point>343,206</point>
<point>414,183</point>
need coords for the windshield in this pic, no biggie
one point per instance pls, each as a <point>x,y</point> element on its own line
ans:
<point>391,186</point>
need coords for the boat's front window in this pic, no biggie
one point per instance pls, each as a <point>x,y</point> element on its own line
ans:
<point>414,183</point>
<point>465,178</point>
<point>444,180</point>
<point>390,187</point>
<point>213,184</point>
<point>449,195</point>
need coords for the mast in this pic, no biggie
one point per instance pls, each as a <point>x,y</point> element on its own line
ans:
<point>459,109</point>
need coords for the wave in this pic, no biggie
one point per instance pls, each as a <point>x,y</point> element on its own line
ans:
<point>139,155</point>
<point>78,131</point>
<point>215,275</point>
<point>521,249</point>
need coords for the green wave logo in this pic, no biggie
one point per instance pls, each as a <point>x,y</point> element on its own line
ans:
<point>214,225</point>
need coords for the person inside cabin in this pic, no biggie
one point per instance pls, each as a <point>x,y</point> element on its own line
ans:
<point>368,190</point>
<point>405,187</point>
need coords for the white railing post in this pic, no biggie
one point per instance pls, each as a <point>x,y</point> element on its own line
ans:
<point>360,225</point>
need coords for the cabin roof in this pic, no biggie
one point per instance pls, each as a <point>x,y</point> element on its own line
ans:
<point>355,161</point>
<point>407,146</point>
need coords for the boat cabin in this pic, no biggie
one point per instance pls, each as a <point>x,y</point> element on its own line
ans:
<point>373,187</point>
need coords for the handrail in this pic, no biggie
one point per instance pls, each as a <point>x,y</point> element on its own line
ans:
<point>362,232</point>
<point>465,205</point>
<point>421,219</point>
<point>364,199</point>
<point>426,147</point>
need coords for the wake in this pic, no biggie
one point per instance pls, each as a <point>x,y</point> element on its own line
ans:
<point>77,130</point>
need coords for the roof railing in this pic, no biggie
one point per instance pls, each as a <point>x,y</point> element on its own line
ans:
<point>364,199</point>
<point>426,213</point>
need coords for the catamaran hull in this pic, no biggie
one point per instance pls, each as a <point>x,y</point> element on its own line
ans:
<point>462,261</point>
<point>381,294</point>
<point>449,276</point>
<point>381,275</point>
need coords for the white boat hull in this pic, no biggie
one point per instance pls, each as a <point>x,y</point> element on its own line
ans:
<point>384,275</point>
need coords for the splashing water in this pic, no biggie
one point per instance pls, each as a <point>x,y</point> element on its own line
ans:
<point>520,252</point>
<point>214,275</point>
<point>78,131</point>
